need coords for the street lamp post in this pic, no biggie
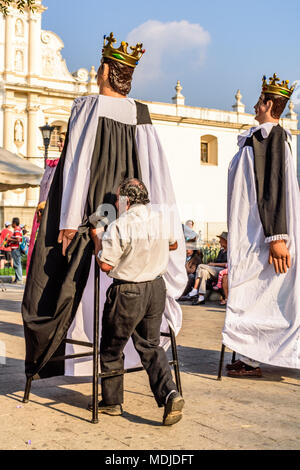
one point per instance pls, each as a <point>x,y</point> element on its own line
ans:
<point>46,133</point>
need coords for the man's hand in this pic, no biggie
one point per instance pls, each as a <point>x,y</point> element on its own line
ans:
<point>96,235</point>
<point>173,247</point>
<point>279,256</point>
<point>65,237</point>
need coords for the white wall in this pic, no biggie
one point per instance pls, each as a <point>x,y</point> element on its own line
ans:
<point>200,189</point>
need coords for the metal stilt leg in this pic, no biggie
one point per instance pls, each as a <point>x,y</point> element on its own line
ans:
<point>221,362</point>
<point>176,362</point>
<point>96,345</point>
<point>233,357</point>
<point>27,390</point>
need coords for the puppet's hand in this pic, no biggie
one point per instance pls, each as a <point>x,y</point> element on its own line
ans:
<point>96,235</point>
<point>65,237</point>
<point>279,256</point>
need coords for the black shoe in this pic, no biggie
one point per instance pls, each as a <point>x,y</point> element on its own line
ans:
<point>173,409</point>
<point>112,410</point>
<point>198,302</point>
<point>187,297</point>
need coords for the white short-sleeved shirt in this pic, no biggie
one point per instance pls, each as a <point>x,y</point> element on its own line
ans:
<point>137,244</point>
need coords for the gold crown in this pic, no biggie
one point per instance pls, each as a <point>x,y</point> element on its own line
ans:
<point>275,88</point>
<point>121,54</point>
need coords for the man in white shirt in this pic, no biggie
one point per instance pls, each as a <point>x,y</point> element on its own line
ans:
<point>135,253</point>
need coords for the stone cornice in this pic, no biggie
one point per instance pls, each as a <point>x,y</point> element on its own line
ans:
<point>43,91</point>
<point>8,107</point>
<point>206,122</point>
<point>198,122</point>
<point>33,108</point>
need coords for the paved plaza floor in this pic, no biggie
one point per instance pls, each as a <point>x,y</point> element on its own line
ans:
<point>261,413</point>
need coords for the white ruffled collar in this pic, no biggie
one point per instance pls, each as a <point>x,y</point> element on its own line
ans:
<point>265,131</point>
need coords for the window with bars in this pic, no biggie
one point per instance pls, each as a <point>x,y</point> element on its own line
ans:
<point>209,150</point>
<point>204,152</point>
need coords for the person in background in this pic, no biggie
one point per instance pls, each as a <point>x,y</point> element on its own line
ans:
<point>194,257</point>
<point>14,243</point>
<point>5,249</point>
<point>190,224</point>
<point>208,271</point>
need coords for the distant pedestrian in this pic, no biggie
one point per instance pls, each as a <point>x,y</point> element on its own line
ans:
<point>14,243</point>
<point>5,249</point>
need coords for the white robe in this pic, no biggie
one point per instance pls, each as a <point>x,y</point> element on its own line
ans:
<point>155,174</point>
<point>263,309</point>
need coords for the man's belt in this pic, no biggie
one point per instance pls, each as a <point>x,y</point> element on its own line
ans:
<point>122,281</point>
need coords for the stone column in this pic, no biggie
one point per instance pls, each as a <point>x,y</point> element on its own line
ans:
<point>32,146</point>
<point>9,35</point>
<point>34,45</point>
<point>8,137</point>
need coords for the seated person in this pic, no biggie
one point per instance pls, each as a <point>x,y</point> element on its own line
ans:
<point>222,285</point>
<point>225,289</point>
<point>193,259</point>
<point>208,271</point>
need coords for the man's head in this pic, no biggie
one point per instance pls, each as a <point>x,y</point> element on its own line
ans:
<point>269,107</point>
<point>15,222</point>
<point>223,240</point>
<point>132,191</point>
<point>190,223</point>
<point>61,141</point>
<point>113,75</point>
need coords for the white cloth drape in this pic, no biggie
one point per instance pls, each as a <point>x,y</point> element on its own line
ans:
<point>263,309</point>
<point>156,176</point>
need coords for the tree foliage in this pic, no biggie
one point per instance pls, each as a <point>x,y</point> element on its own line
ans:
<point>20,4</point>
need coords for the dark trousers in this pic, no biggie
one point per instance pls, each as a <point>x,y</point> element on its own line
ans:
<point>134,310</point>
<point>190,284</point>
<point>16,256</point>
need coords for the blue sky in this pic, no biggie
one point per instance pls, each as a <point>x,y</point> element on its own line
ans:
<point>213,47</point>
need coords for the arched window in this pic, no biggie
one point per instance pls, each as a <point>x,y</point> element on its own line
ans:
<point>209,150</point>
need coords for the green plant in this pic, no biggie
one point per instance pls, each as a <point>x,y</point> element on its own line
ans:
<point>21,4</point>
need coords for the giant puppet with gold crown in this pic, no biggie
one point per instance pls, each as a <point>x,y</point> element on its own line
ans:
<point>263,311</point>
<point>110,137</point>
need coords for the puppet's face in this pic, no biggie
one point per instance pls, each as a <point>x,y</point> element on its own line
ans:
<point>262,110</point>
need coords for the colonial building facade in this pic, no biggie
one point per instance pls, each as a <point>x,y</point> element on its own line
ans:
<point>36,87</point>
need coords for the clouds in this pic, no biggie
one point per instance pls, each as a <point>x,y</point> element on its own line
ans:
<point>296,96</point>
<point>171,47</point>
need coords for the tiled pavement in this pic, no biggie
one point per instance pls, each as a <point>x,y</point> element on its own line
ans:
<point>232,414</point>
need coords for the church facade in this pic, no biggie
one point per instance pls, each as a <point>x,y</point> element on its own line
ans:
<point>36,88</point>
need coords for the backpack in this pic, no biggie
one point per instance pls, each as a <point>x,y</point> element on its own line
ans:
<point>24,246</point>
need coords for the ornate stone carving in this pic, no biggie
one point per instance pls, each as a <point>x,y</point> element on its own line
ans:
<point>81,75</point>
<point>19,61</point>
<point>45,37</point>
<point>19,132</point>
<point>53,65</point>
<point>19,28</point>
<point>93,75</point>
<point>48,64</point>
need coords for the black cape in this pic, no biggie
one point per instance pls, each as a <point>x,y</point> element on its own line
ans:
<point>55,283</point>
<point>269,168</point>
